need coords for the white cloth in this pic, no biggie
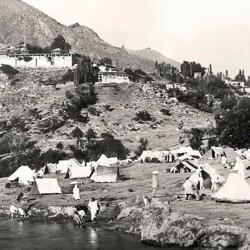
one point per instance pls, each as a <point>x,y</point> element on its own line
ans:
<point>76,193</point>
<point>93,207</point>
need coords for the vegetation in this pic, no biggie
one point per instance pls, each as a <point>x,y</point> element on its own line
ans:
<point>90,134</point>
<point>109,146</point>
<point>143,146</point>
<point>168,71</point>
<point>137,75</point>
<point>233,125</point>
<point>188,69</point>
<point>77,133</point>
<point>9,70</point>
<point>143,116</point>
<point>196,136</point>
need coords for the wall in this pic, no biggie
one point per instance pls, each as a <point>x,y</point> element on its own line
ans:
<point>57,61</point>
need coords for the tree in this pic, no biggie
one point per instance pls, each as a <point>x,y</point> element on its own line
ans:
<point>77,133</point>
<point>196,138</point>
<point>90,134</point>
<point>143,146</point>
<point>85,72</point>
<point>233,126</point>
<point>106,60</point>
<point>60,42</point>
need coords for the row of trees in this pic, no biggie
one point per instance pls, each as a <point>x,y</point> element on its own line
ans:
<point>188,69</point>
<point>168,71</point>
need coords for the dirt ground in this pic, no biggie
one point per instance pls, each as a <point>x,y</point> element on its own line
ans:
<point>136,181</point>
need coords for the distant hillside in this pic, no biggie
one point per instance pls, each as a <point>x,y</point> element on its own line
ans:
<point>21,22</point>
<point>153,55</point>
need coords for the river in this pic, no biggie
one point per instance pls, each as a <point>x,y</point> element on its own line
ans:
<point>17,235</point>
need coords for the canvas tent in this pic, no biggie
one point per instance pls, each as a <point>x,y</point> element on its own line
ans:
<point>105,161</point>
<point>186,151</point>
<point>62,166</point>
<point>23,175</point>
<point>45,186</point>
<point>240,167</point>
<point>189,166</point>
<point>105,174</point>
<point>156,156</point>
<point>207,183</point>
<point>230,154</point>
<point>235,189</point>
<point>47,169</point>
<point>78,172</point>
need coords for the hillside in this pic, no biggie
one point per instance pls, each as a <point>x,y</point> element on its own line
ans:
<point>21,22</point>
<point>154,55</point>
<point>31,103</point>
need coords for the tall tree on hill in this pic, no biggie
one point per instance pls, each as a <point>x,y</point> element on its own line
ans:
<point>85,72</point>
<point>60,42</point>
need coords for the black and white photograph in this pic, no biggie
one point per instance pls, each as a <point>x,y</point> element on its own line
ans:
<point>124,124</point>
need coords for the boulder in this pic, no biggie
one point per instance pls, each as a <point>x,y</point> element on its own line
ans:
<point>163,228</point>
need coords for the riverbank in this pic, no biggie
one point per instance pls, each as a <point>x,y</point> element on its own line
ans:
<point>122,207</point>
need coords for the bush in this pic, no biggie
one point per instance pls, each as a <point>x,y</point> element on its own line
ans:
<point>68,76</point>
<point>196,138</point>
<point>143,146</point>
<point>59,146</point>
<point>50,124</point>
<point>9,70</point>
<point>94,111</point>
<point>143,116</point>
<point>90,134</point>
<point>77,133</point>
<point>166,112</point>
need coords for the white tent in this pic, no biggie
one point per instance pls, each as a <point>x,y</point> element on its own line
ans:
<point>105,174</point>
<point>62,166</point>
<point>187,150</point>
<point>78,172</point>
<point>240,167</point>
<point>213,173</point>
<point>46,186</point>
<point>161,156</point>
<point>236,189</point>
<point>23,175</point>
<point>105,161</point>
<point>217,152</point>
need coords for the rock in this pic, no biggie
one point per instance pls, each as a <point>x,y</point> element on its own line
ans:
<point>162,228</point>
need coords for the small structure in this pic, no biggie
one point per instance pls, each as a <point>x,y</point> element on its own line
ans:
<point>156,156</point>
<point>105,174</point>
<point>23,175</point>
<point>235,190</point>
<point>78,172</point>
<point>186,166</point>
<point>45,186</point>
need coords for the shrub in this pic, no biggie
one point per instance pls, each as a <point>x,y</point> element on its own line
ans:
<point>68,76</point>
<point>94,111</point>
<point>90,134</point>
<point>59,146</point>
<point>9,70</point>
<point>196,138</point>
<point>77,133</point>
<point>143,116</point>
<point>50,124</point>
<point>166,112</point>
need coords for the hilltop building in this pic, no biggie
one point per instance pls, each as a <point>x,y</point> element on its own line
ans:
<point>110,74</point>
<point>19,56</point>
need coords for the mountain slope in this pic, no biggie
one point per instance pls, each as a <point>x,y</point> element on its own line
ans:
<point>21,22</point>
<point>153,55</point>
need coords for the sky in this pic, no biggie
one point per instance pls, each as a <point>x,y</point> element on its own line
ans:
<point>205,31</point>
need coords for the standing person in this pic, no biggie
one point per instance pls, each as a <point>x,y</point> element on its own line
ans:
<point>94,208</point>
<point>76,193</point>
<point>155,182</point>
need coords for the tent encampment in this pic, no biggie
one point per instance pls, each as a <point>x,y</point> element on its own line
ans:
<point>235,190</point>
<point>23,175</point>
<point>45,186</point>
<point>62,166</point>
<point>188,166</point>
<point>105,174</point>
<point>78,172</point>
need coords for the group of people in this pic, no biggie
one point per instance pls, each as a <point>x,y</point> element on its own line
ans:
<point>81,212</point>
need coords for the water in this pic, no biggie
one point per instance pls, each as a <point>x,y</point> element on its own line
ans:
<point>17,235</point>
